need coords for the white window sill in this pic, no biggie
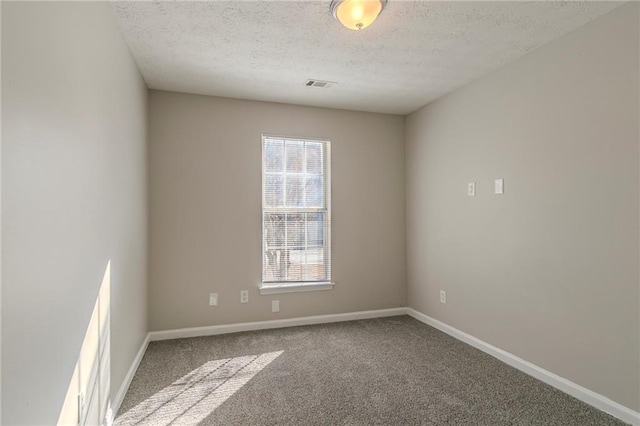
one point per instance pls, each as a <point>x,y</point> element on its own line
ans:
<point>277,288</point>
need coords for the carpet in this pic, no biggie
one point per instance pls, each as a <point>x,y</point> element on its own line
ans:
<point>385,371</point>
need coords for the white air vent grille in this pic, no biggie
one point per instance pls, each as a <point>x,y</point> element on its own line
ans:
<point>319,83</point>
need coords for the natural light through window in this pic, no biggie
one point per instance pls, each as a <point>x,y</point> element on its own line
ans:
<point>192,398</point>
<point>88,396</point>
<point>296,212</point>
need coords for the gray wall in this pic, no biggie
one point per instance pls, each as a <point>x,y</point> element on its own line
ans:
<point>549,270</point>
<point>74,197</point>
<point>205,204</point>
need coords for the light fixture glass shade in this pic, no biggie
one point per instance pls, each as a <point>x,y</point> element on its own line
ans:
<point>357,14</point>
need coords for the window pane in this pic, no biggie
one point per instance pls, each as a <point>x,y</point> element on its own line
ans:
<point>314,192</point>
<point>273,155</point>
<point>295,191</point>
<point>295,156</point>
<point>295,230</point>
<point>314,157</point>
<point>315,229</point>
<point>295,271</point>
<point>273,190</point>
<point>274,234</point>
<point>296,245</point>
<point>316,268</point>
<point>274,230</point>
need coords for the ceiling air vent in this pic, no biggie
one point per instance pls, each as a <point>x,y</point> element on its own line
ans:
<point>319,83</point>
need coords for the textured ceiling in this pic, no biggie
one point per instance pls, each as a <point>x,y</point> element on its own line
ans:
<point>265,50</point>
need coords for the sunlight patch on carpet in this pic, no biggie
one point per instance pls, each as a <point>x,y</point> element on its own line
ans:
<point>193,397</point>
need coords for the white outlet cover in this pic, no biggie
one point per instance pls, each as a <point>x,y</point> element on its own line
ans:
<point>499,186</point>
<point>443,296</point>
<point>244,296</point>
<point>213,299</point>
<point>275,306</point>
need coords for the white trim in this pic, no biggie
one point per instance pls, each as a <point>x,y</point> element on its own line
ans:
<point>583,394</point>
<point>297,138</point>
<point>325,209</point>
<point>294,288</point>
<point>117,400</point>
<point>264,325</point>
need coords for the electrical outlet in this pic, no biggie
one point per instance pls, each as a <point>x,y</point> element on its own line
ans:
<point>443,296</point>
<point>471,189</point>
<point>213,299</point>
<point>244,296</point>
<point>275,306</point>
<point>499,186</point>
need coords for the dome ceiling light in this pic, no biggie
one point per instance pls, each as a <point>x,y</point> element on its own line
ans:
<point>357,14</point>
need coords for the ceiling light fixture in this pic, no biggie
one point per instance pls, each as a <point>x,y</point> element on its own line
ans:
<point>357,14</point>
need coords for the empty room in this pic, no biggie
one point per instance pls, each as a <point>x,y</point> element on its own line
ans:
<point>336,212</point>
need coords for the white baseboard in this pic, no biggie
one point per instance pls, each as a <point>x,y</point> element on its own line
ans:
<point>117,400</point>
<point>583,394</point>
<point>264,325</point>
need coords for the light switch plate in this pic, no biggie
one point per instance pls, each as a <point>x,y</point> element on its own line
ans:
<point>213,299</point>
<point>275,306</point>
<point>499,186</point>
<point>471,189</point>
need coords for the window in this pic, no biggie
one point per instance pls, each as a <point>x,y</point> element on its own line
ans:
<point>296,212</point>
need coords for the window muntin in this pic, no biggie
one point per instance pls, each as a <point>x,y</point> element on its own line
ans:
<point>296,214</point>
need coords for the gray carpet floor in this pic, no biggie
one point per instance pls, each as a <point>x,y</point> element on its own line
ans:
<point>387,371</point>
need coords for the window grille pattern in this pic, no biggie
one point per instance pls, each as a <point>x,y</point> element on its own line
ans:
<point>296,215</point>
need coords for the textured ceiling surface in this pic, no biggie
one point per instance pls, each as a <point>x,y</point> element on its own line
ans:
<point>265,50</point>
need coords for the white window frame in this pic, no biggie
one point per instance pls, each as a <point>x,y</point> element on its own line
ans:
<point>270,287</point>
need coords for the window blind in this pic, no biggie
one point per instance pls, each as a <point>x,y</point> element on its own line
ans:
<point>296,210</point>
